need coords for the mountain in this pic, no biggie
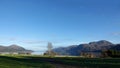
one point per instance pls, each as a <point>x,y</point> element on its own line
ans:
<point>116,47</point>
<point>13,48</point>
<point>75,50</point>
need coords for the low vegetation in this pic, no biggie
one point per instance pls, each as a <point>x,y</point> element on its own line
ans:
<point>22,62</point>
<point>50,62</point>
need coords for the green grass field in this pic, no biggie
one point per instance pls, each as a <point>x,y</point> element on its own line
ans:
<point>22,62</point>
<point>49,62</point>
<point>91,62</point>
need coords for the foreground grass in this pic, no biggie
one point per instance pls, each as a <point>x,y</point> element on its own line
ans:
<point>50,62</point>
<point>22,62</point>
<point>91,62</point>
<point>84,62</point>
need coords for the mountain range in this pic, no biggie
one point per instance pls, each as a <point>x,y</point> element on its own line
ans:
<point>97,46</point>
<point>13,48</point>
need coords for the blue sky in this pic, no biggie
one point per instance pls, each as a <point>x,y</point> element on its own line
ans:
<point>32,23</point>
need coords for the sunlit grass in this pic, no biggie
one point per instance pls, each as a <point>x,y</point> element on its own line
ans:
<point>21,62</point>
<point>33,61</point>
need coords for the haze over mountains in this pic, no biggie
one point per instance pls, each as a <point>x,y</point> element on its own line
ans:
<point>97,46</point>
<point>74,50</point>
<point>13,48</point>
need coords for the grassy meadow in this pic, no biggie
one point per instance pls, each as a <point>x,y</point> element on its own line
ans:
<point>51,62</point>
<point>22,62</point>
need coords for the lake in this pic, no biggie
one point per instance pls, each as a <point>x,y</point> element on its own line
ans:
<point>38,53</point>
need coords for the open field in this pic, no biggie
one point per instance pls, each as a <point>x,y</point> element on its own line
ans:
<point>22,62</point>
<point>57,62</point>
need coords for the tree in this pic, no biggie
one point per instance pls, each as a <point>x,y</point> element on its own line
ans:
<point>49,48</point>
<point>50,52</point>
<point>111,53</point>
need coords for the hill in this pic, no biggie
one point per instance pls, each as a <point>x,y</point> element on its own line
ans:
<point>117,47</point>
<point>75,50</point>
<point>13,48</point>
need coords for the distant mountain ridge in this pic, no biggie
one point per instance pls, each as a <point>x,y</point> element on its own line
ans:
<point>13,48</point>
<point>96,46</point>
<point>117,47</point>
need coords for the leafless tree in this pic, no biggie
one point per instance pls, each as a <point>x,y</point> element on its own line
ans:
<point>49,47</point>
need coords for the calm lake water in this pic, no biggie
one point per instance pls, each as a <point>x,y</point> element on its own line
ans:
<point>37,53</point>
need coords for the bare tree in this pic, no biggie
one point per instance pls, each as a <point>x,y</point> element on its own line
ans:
<point>49,48</point>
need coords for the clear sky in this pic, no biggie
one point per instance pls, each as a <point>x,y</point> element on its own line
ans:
<point>32,23</point>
